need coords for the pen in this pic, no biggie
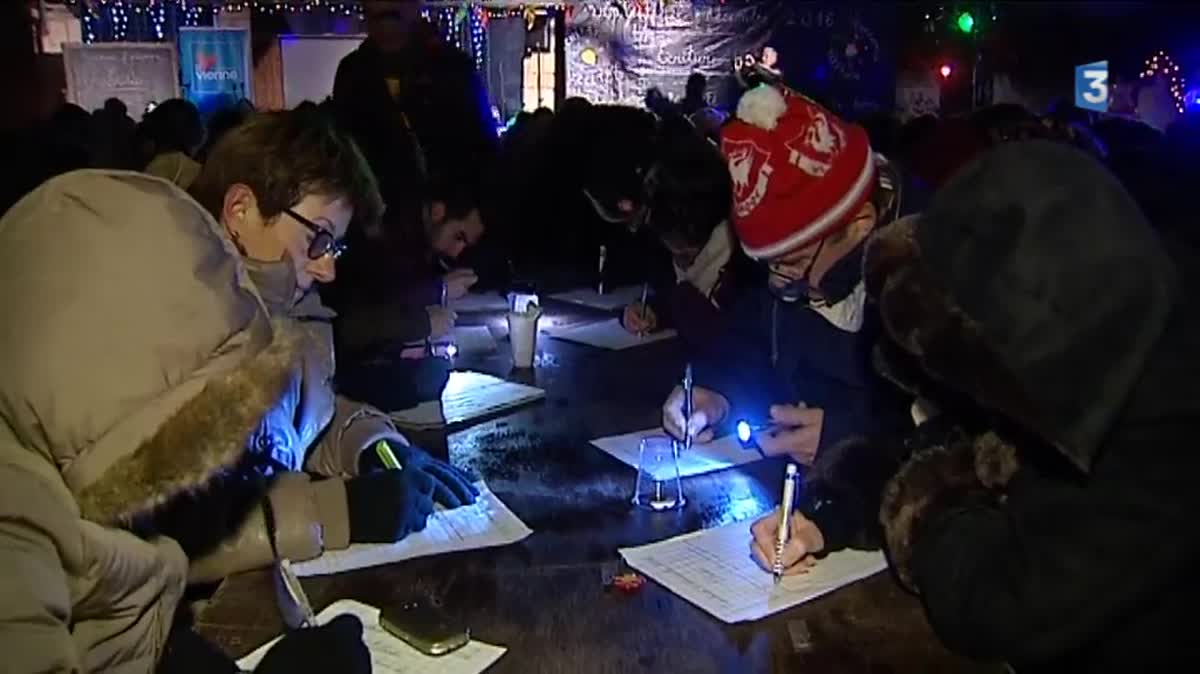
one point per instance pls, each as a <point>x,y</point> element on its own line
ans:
<point>645,292</point>
<point>445,293</point>
<point>603,258</point>
<point>386,457</point>
<point>292,584</point>
<point>785,513</point>
<point>687,407</point>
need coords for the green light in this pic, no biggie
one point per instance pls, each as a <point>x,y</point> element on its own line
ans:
<point>966,22</point>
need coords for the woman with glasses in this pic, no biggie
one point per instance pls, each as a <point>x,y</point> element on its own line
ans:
<point>285,188</point>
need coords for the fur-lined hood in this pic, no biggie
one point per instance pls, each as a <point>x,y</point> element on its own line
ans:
<point>137,356</point>
<point>1028,269</point>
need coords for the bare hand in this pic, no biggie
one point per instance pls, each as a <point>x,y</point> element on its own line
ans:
<point>458,282</point>
<point>709,409</point>
<point>796,432</point>
<point>639,319</point>
<point>441,321</point>
<point>804,540</point>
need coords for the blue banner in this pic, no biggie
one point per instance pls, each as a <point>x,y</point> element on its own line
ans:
<point>216,67</point>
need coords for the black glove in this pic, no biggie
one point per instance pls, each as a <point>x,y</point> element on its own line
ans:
<point>334,647</point>
<point>453,487</point>
<point>387,505</point>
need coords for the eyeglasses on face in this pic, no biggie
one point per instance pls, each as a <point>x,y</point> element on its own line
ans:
<point>323,242</point>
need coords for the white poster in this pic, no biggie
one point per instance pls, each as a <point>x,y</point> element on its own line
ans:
<point>310,63</point>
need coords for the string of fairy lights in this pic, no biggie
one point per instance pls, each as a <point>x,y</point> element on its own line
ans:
<point>110,20</point>
<point>1160,64</point>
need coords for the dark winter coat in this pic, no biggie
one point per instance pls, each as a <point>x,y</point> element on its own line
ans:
<point>1059,534</point>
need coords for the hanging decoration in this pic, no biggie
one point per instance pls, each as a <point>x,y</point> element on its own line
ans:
<point>463,24</point>
<point>1162,65</point>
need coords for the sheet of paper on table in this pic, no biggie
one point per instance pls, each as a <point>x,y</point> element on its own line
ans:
<point>390,655</point>
<point>486,523</point>
<point>479,302</point>
<point>473,339</point>
<point>606,335</point>
<point>703,458</point>
<point>713,570</point>
<point>467,396</point>
<point>616,298</point>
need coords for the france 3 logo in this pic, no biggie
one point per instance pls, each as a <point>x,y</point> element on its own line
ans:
<point>1091,86</point>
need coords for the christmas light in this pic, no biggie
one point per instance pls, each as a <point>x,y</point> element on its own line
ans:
<point>965,22</point>
<point>946,70</point>
<point>1169,70</point>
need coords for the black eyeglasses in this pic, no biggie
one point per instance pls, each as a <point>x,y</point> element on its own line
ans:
<point>323,242</point>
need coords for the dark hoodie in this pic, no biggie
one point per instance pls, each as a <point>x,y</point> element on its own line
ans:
<point>1060,534</point>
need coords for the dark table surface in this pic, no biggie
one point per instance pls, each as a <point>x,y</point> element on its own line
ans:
<point>543,598</point>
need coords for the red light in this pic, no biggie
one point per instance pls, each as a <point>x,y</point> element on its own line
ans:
<point>946,70</point>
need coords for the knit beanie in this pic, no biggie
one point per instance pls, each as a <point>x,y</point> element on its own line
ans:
<point>799,172</point>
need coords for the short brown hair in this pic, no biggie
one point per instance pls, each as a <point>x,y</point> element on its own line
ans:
<point>285,156</point>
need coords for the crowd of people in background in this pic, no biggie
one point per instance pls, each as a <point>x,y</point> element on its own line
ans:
<point>978,332</point>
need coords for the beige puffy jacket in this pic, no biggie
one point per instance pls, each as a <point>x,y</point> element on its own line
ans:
<point>137,363</point>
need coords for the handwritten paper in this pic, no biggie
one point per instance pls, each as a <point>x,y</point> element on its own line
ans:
<point>608,334</point>
<point>390,655</point>
<point>702,458</point>
<point>479,303</point>
<point>473,339</point>
<point>486,523</point>
<point>467,396</point>
<point>617,298</point>
<point>713,570</point>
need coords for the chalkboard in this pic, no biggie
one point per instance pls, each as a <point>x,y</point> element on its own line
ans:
<point>134,72</point>
<point>841,54</point>
<point>616,52</point>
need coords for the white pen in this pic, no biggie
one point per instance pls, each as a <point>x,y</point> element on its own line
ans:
<point>292,584</point>
<point>785,514</point>
<point>603,259</point>
<point>687,407</point>
<point>645,293</point>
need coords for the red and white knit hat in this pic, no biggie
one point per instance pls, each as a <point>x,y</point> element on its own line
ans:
<point>799,172</point>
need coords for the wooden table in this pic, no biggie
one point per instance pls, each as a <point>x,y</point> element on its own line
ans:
<point>543,597</point>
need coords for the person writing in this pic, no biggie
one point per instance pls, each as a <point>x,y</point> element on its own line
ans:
<point>794,356</point>
<point>182,367</point>
<point>1030,515</point>
<point>687,208</point>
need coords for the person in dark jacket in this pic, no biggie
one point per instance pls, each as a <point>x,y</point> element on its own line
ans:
<point>389,300</point>
<point>795,354</point>
<point>404,77</point>
<point>688,202</point>
<point>1052,524</point>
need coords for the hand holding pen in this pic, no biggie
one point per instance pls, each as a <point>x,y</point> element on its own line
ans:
<point>803,540</point>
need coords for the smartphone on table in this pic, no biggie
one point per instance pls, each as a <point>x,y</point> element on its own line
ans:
<point>424,627</point>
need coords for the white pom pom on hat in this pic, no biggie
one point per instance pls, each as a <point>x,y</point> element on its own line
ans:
<point>762,106</point>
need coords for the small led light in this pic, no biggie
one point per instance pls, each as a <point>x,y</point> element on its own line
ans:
<point>451,350</point>
<point>744,432</point>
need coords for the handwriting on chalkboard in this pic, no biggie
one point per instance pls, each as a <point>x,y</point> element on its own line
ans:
<point>138,74</point>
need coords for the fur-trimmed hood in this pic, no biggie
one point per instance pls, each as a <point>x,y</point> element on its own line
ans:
<point>137,356</point>
<point>1025,274</point>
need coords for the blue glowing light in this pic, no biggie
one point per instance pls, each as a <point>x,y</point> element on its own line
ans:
<point>744,432</point>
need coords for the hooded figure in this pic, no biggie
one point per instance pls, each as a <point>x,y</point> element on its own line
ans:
<point>95,434</point>
<point>1051,521</point>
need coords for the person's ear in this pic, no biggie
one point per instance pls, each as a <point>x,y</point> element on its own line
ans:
<point>864,222</point>
<point>437,212</point>
<point>239,209</point>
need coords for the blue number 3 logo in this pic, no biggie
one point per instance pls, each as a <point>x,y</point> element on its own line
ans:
<point>1091,86</point>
